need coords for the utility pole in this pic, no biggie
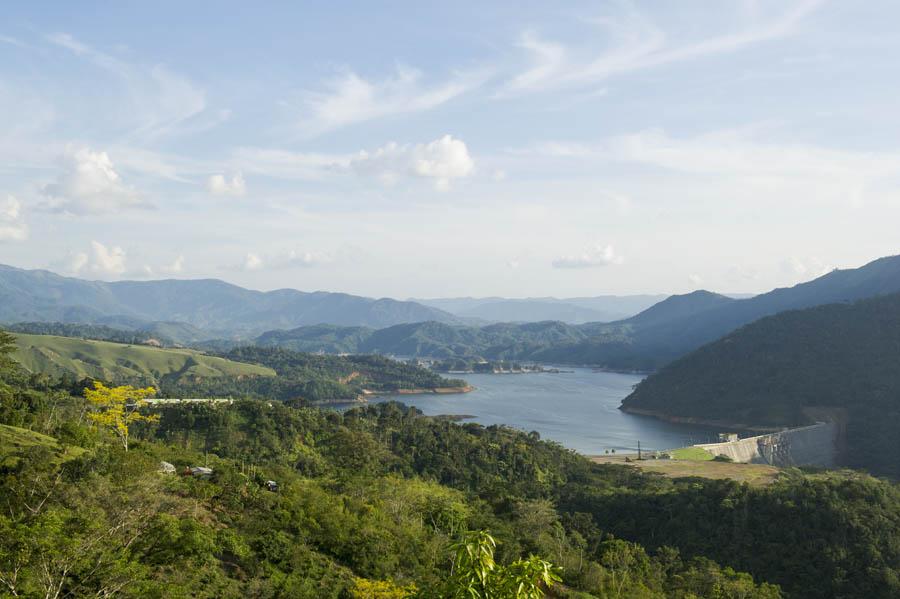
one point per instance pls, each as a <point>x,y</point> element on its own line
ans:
<point>639,449</point>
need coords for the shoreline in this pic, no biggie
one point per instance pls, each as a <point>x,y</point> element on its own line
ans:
<point>367,393</point>
<point>432,391</point>
<point>710,422</point>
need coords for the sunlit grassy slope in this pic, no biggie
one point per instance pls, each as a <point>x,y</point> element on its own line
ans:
<point>120,362</point>
<point>15,440</point>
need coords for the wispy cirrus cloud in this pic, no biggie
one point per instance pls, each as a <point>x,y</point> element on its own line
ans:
<point>349,98</point>
<point>631,42</point>
<point>164,101</point>
<point>743,152</point>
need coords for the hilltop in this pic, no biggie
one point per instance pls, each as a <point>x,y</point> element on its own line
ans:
<point>110,361</point>
<point>837,360</point>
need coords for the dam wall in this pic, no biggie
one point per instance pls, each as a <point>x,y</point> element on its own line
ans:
<point>814,445</point>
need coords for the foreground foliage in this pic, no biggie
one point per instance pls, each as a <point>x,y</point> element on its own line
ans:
<point>382,502</point>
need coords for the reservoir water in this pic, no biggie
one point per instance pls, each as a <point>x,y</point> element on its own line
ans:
<point>577,409</point>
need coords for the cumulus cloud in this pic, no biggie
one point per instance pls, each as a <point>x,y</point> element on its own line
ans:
<point>251,262</point>
<point>176,267</point>
<point>12,227</point>
<point>350,98</point>
<point>148,271</point>
<point>89,184</point>
<point>291,259</point>
<point>220,185</point>
<point>804,268</point>
<point>101,261</point>
<point>592,257</point>
<point>440,161</point>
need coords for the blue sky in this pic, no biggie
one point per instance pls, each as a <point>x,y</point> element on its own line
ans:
<point>425,149</point>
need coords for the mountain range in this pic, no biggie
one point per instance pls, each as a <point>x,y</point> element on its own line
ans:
<point>217,307</point>
<point>645,341</point>
<point>194,311</point>
<point>575,310</point>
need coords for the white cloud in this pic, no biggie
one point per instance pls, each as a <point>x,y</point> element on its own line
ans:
<point>291,259</point>
<point>176,267</point>
<point>695,280</point>
<point>89,184</point>
<point>101,261</point>
<point>351,99</point>
<point>633,42</point>
<point>592,257</point>
<point>148,272</point>
<point>11,41</point>
<point>742,154</point>
<point>252,262</point>
<point>441,161</point>
<point>163,102</point>
<point>12,228</point>
<point>283,164</point>
<point>220,185</point>
<point>802,269</point>
<point>301,259</point>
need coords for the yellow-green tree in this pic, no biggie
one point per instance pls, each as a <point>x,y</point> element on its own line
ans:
<point>381,589</point>
<point>118,407</point>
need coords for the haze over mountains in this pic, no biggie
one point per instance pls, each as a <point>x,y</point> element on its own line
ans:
<point>575,310</point>
<point>199,310</point>
<point>37,295</point>
<point>224,309</point>
<point>646,341</point>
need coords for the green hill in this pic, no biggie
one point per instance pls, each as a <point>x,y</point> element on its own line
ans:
<point>15,440</point>
<point>782,370</point>
<point>119,362</point>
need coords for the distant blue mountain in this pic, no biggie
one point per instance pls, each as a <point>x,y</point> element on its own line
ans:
<point>42,296</point>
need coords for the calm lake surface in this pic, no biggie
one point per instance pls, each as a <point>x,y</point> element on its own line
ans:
<point>577,409</point>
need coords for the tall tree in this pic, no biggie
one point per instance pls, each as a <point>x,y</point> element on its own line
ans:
<point>118,407</point>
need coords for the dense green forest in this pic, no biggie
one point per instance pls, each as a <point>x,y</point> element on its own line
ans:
<point>98,332</point>
<point>245,372</point>
<point>303,377</point>
<point>376,500</point>
<point>843,357</point>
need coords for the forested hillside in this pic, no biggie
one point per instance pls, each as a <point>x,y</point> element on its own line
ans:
<point>644,342</point>
<point>247,372</point>
<point>308,378</point>
<point>845,357</point>
<point>702,317</point>
<point>375,499</point>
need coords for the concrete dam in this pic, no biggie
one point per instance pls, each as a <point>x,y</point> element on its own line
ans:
<point>813,445</point>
